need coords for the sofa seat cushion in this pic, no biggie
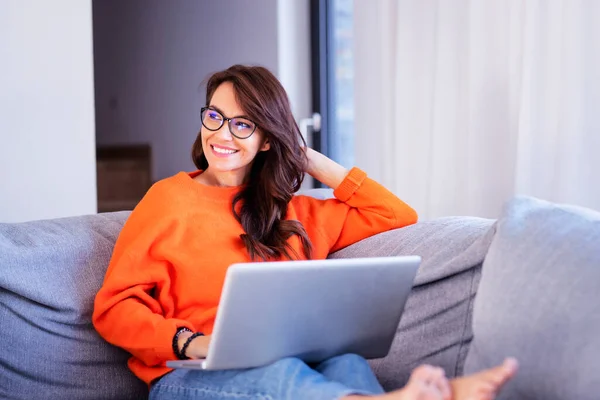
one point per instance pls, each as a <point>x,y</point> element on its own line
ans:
<point>50,272</point>
<point>539,301</point>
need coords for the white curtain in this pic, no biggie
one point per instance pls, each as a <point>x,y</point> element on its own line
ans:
<point>459,104</point>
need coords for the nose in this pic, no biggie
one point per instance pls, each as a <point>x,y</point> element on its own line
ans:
<point>224,132</point>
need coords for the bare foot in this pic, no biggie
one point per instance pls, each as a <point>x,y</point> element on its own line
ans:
<point>425,383</point>
<point>486,384</point>
<point>430,383</point>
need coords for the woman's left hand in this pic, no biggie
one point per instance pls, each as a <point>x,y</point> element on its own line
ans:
<point>198,347</point>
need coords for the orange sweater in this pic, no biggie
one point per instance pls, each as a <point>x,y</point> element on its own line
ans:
<point>169,262</point>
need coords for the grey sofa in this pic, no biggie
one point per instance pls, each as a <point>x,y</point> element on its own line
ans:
<point>525,285</point>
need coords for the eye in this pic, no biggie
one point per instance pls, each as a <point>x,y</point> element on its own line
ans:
<point>214,115</point>
<point>242,125</point>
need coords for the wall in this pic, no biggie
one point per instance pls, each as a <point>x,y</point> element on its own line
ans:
<point>294,61</point>
<point>151,57</point>
<point>47,156</point>
<point>294,54</point>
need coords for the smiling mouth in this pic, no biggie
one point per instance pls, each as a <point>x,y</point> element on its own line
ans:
<point>223,151</point>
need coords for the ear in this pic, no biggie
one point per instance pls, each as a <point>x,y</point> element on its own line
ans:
<point>266,145</point>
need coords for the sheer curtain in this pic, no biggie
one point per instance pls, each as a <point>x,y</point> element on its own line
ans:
<point>459,105</point>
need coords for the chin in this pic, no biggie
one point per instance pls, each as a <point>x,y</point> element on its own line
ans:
<point>217,166</point>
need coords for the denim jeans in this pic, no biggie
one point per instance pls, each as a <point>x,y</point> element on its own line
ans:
<point>289,379</point>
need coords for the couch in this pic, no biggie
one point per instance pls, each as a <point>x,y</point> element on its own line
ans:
<point>526,285</point>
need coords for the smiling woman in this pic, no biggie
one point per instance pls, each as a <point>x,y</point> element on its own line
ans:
<point>163,285</point>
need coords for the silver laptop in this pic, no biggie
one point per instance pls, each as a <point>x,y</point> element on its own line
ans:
<point>312,310</point>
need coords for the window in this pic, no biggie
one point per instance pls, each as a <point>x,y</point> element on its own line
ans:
<point>333,75</point>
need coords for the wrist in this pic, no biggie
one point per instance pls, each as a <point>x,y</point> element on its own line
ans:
<point>186,345</point>
<point>176,340</point>
<point>309,160</point>
<point>183,337</point>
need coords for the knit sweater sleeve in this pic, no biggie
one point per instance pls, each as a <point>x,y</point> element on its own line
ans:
<point>361,208</point>
<point>127,310</point>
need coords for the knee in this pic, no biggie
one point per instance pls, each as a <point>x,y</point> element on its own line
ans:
<point>348,359</point>
<point>288,362</point>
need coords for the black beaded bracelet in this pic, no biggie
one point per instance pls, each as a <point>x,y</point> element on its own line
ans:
<point>178,354</point>
<point>187,343</point>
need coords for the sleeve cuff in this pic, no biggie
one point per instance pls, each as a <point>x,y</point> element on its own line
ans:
<point>350,184</point>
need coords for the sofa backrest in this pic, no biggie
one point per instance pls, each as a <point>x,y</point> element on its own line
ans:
<point>50,272</point>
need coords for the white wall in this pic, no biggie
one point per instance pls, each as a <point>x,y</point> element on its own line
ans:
<point>151,57</point>
<point>47,152</point>
<point>294,54</point>
<point>294,61</point>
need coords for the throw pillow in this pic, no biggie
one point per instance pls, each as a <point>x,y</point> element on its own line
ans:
<point>538,300</point>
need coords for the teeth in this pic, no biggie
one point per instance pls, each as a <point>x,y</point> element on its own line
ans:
<point>223,151</point>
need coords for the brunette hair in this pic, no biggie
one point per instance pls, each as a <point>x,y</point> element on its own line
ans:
<point>276,174</point>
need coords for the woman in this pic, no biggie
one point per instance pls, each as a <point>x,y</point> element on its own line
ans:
<point>162,288</point>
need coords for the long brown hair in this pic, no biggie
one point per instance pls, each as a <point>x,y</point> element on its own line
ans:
<point>275,174</point>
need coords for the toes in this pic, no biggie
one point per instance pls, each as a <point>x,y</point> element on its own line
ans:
<point>433,380</point>
<point>443,385</point>
<point>416,389</point>
<point>423,373</point>
<point>501,374</point>
<point>437,378</point>
<point>511,365</point>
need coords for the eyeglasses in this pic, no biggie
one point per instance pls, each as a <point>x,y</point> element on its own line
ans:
<point>241,128</point>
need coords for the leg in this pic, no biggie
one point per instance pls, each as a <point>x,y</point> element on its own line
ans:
<point>292,379</point>
<point>289,378</point>
<point>352,371</point>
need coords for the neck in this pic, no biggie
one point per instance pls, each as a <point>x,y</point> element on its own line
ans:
<point>222,179</point>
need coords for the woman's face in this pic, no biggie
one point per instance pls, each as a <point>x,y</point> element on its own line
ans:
<point>226,153</point>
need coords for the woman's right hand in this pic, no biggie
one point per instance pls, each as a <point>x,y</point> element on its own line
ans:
<point>198,347</point>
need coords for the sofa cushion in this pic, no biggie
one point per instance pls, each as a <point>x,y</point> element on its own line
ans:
<point>538,300</point>
<point>435,327</point>
<point>50,273</point>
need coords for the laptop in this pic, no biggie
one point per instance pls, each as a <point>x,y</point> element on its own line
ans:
<point>312,310</point>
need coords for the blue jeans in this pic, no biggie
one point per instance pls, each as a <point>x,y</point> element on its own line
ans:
<point>289,379</point>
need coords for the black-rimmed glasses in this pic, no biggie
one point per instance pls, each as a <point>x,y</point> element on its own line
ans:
<point>241,128</point>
